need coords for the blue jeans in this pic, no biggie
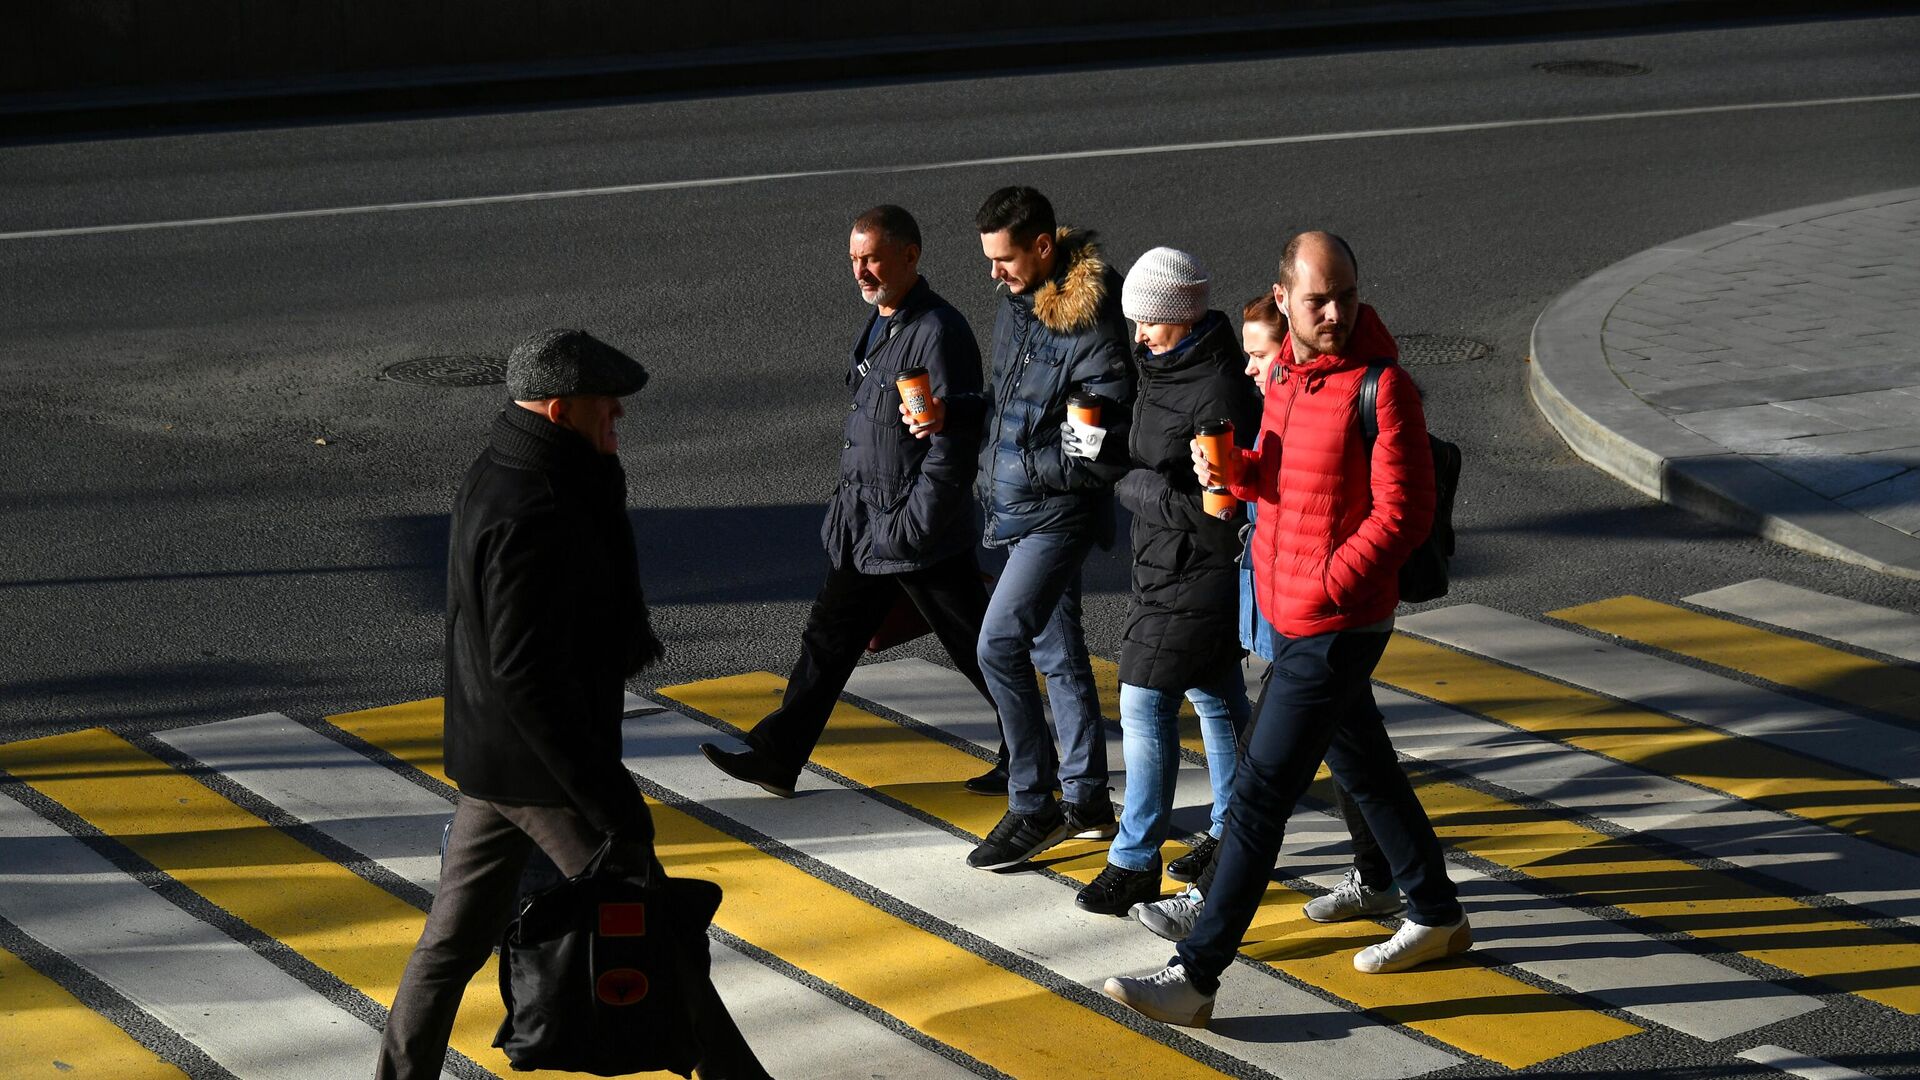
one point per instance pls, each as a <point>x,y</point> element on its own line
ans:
<point>1317,704</point>
<point>1033,622</point>
<point>1150,745</point>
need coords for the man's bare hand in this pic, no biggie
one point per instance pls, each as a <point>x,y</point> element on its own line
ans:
<point>936,418</point>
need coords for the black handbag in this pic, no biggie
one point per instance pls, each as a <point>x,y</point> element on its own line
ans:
<point>598,973</point>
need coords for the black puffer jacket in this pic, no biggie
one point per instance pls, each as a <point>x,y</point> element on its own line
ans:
<point>903,502</point>
<point>1181,629</point>
<point>1063,336</point>
<point>545,621</point>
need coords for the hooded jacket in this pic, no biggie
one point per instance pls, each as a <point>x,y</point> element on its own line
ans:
<point>1066,335</point>
<point>1333,524</point>
<point>902,503</point>
<point>1179,631</point>
<point>545,621</point>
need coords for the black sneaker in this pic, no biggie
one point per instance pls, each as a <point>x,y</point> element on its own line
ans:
<point>1091,820</point>
<point>1190,866</point>
<point>754,767</point>
<point>1117,889</point>
<point>1019,837</point>
<point>991,782</point>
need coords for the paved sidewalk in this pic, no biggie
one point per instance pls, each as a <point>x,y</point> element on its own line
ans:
<point>1766,373</point>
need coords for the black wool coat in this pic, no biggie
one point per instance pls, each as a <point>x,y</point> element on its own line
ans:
<point>545,622</point>
<point>1182,625</point>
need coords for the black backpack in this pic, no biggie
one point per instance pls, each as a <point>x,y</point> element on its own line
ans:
<point>1424,575</point>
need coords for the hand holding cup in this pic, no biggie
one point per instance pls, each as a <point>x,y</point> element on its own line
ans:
<point>926,423</point>
<point>1203,470</point>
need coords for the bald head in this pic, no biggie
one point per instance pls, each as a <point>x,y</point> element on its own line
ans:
<point>1319,290</point>
<point>1319,248</point>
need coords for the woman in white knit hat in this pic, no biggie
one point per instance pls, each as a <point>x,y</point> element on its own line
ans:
<point>1180,640</point>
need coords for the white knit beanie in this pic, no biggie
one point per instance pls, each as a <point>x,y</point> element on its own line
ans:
<point>1165,286</point>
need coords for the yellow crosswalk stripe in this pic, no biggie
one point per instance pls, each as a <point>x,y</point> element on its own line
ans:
<point>343,924</point>
<point>1606,870</point>
<point>47,1032</point>
<point>1743,768</point>
<point>1840,676</point>
<point>1459,1003</point>
<point>981,1009</point>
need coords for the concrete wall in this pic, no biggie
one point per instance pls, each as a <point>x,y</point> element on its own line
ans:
<point>62,47</point>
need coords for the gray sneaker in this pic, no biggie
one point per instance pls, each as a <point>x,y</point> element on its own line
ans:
<point>1352,899</point>
<point>1172,918</point>
<point>1166,995</point>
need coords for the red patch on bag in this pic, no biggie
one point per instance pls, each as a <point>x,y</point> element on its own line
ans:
<point>621,986</point>
<point>623,920</point>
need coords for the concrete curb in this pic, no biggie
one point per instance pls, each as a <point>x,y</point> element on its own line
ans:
<point>1608,425</point>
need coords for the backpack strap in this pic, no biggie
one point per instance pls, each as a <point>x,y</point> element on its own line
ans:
<point>1370,399</point>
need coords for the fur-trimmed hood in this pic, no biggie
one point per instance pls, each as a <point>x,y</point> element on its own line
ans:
<point>1071,301</point>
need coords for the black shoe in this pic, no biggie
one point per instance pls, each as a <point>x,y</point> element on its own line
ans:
<point>754,767</point>
<point>1019,837</point>
<point>1190,866</point>
<point>1117,889</point>
<point>991,782</point>
<point>1091,820</point>
<point>994,781</point>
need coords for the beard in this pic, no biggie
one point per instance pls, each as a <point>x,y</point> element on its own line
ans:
<point>879,295</point>
<point>1304,348</point>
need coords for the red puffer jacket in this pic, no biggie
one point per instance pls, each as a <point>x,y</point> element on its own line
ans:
<point>1332,533</point>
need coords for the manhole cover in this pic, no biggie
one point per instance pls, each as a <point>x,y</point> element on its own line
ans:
<point>1592,69</point>
<point>449,371</point>
<point>1440,349</point>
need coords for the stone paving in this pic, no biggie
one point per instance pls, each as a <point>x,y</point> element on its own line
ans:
<point>1767,372</point>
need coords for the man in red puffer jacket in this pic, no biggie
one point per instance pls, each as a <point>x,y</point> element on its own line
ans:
<point>1337,517</point>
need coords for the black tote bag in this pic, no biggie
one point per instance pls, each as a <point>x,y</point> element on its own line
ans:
<point>598,973</point>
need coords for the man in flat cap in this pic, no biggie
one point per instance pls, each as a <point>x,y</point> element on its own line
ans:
<point>545,623</point>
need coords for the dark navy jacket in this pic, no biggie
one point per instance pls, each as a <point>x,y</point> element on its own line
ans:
<point>902,502</point>
<point>1065,335</point>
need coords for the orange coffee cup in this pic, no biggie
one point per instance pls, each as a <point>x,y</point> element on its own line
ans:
<point>916,391</point>
<point>1084,408</point>
<point>1216,442</point>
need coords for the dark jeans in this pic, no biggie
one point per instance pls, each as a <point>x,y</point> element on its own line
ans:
<point>1317,705</point>
<point>1368,859</point>
<point>846,613</point>
<point>478,885</point>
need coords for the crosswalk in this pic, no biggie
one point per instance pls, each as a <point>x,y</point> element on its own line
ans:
<point>1686,829</point>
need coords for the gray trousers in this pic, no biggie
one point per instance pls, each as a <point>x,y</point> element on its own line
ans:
<point>486,851</point>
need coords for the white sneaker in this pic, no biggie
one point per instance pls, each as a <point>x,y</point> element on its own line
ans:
<point>1413,945</point>
<point>1166,995</point>
<point>1352,899</point>
<point>1173,918</point>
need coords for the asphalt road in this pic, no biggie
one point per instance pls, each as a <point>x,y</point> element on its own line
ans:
<point>180,545</point>
<point>215,506</point>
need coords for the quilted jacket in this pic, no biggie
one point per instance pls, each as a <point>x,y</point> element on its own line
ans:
<point>1333,526</point>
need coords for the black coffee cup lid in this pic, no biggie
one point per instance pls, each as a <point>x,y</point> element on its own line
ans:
<point>1215,427</point>
<point>909,373</point>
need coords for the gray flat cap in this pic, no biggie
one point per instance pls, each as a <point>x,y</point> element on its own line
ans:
<point>565,363</point>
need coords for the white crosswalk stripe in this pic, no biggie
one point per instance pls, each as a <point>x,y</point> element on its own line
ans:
<point>1865,626</point>
<point>1631,971</point>
<point>397,824</point>
<point>257,1021</point>
<point>1867,746</point>
<point>252,1018</point>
